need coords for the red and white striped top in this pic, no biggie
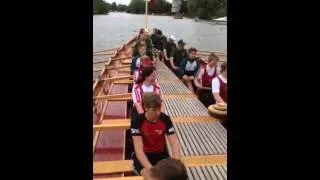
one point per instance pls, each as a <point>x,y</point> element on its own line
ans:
<point>139,89</point>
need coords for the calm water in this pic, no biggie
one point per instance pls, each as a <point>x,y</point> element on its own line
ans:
<point>113,30</point>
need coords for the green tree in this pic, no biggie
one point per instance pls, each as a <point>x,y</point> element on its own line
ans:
<point>100,7</point>
<point>136,6</point>
<point>122,8</point>
<point>206,9</point>
<point>114,6</point>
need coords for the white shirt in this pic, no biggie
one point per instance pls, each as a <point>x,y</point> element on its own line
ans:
<point>136,75</point>
<point>210,71</point>
<point>136,93</point>
<point>191,66</point>
<point>216,84</point>
<point>138,63</point>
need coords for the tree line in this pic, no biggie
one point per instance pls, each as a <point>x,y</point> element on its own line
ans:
<point>102,7</point>
<point>204,9</point>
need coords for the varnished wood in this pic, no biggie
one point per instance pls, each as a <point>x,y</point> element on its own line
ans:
<point>116,59</point>
<point>108,167</point>
<point>114,96</point>
<point>95,140</point>
<point>118,67</point>
<point>124,81</point>
<point>117,78</point>
<point>122,178</point>
<point>103,54</point>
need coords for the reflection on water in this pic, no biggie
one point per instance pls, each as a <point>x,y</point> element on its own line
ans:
<point>113,30</point>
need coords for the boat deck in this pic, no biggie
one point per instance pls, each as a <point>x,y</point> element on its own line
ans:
<point>202,138</point>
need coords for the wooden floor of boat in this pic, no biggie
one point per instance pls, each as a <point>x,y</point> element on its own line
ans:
<point>199,134</point>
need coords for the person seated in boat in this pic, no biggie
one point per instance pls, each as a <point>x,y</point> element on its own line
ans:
<point>160,41</point>
<point>142,41</point>
<point>167,169</point>
<point>189,68</point>
<point>145,62</point>
<point>168,47</point>
<point>146,83</point>
<point>176,57</point>
<point>153,36</point>
<point>204,80</point>
<point>141,31</point>
<point>219,85</point>
<point>149,131</point>
<point>135,64</point>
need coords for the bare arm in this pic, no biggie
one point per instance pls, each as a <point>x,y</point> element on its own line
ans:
<point>141,156</point>
<point>139,107</point>
<point>172,64</point>
<point>175,147</point>
<point>218,98</point>
<point>165,54</point>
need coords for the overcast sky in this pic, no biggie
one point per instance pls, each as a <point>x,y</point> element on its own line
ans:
<point>126,2</point>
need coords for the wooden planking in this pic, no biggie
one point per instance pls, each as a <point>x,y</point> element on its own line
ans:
<point>121,178</point>
<point>125,81</point>
<point>118,67</point>
<point>117,78</point>
<point>108,167</point>
<point>114,96</point>
<point>112,167</point>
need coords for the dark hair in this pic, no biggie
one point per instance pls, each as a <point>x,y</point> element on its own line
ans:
<point>169,169</point>
<point>151,100</point>
<point>159,32</point>
<point>192,49</point>
<point>212,56</point>
<point>146,71</point>
<point>141,31</point>
<point>223,66</point>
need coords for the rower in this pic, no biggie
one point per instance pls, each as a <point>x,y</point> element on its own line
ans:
<point>160,41</point>
<point>146,83</point>
<point>143,40</point>
<point>145,62</point>
<point>168,47</point>
<point>135,64</point>
<point>149,131</point>
<point>219,85</point>
<point>189,68</point>
<point>168,169</point>
<point>176,57</point>
<point>204,80</point>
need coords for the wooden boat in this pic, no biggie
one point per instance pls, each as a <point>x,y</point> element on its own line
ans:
<point>202,138</point>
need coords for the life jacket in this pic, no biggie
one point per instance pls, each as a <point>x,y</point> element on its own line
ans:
<point>206,78</point>
<point>223,90</point>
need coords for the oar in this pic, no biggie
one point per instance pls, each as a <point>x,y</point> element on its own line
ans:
<point>115,59</point>
<point>104,50</point>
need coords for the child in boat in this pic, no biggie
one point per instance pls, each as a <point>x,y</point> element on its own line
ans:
<point>189,68</point>
<point>146,83</point>
<point>135,64</point>
<point>176,57</point>
<point>145,62</point>
<point>204,80</point>
<point>135,49</point>
<point>149,131</point>
<point>167,169</point>
<point>219,85</point>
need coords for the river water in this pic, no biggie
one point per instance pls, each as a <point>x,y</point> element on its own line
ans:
<point>114,29</point>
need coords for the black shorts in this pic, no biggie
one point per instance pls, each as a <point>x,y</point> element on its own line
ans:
<point>153,158</point>
<point>206,97</point>
<point>189,73</point>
